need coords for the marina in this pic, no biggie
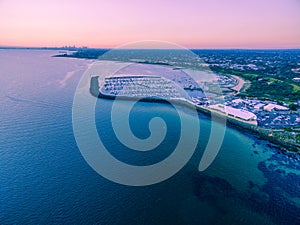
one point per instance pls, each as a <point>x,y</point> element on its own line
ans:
<point>266,118</point>
<point>156,88</point>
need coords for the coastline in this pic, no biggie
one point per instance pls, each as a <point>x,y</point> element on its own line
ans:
<point>262,132</point>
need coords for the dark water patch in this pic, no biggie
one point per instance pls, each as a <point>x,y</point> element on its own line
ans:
<point>272,199</point>
<point>231,206</point>
<point>281,186</point>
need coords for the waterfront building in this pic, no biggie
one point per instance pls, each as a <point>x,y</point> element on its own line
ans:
<point>236,113</point>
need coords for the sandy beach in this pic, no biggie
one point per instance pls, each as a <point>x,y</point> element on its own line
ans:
<point>240,84</point>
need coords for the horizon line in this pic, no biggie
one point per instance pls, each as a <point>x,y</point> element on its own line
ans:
<point>107,48</point>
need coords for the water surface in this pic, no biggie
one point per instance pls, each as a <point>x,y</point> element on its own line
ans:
<point>44,178</point>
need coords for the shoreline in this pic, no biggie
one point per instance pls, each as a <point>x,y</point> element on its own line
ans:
<point>262,132</point>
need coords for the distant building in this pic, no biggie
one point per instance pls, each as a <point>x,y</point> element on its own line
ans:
<point>271,107</point>
<point>237,101</point>
<point>258,106</point>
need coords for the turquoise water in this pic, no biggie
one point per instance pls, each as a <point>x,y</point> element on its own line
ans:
<point>44,179</point>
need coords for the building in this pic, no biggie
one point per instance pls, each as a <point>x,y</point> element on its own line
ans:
<point>258,106</point>
<point>271,107</point>
<point>237,101</point>
<point>236,113</point>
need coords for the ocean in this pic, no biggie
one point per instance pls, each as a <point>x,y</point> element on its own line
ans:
<point>44,179</point>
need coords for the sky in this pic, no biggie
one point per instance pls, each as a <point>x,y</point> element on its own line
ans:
<point>189,23</point>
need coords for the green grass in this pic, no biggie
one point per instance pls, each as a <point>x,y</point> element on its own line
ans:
<point>277,88</point>
<point>296,88</point>
<point>273,89</point>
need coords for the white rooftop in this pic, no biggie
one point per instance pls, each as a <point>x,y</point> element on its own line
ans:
<point>239,113</point>
<point>258,106</point>
<point>238,100</point>
<point>272,106</point>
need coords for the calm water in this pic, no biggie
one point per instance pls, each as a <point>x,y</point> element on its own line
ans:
<point>44,179</point>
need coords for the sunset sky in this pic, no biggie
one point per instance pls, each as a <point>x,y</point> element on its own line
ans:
<point>190,23</point>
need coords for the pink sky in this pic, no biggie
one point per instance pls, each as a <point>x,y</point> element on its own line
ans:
<point>191,23</point>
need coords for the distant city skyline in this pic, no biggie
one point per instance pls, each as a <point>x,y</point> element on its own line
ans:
<point>192,23</point>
